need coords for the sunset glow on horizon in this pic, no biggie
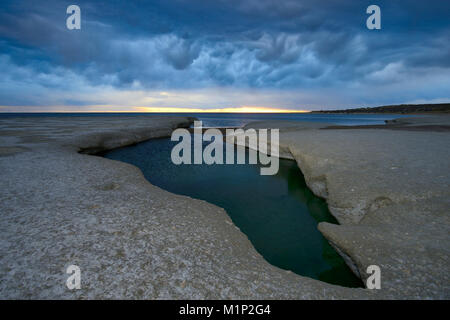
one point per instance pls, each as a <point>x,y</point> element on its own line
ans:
<point>243,109</point>
<point>113,109</point>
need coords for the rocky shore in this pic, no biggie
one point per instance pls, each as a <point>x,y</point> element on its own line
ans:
<point>389,188</point>
<point>429,108</point>
<point>59,206</point>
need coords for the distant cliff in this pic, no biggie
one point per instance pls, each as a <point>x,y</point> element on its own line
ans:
<point>402,108</point>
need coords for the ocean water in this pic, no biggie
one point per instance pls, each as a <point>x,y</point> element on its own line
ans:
<point>239,119</point>
<point>279,214</point>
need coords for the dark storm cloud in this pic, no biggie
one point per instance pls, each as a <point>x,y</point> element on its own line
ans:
<point>192,44</point>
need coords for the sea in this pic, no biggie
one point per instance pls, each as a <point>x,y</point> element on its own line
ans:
<point>239,119</point>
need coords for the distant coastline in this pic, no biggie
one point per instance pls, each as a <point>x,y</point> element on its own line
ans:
<point>400,109</point>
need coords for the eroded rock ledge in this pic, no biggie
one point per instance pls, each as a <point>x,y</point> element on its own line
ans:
<point>389,187</point>
<point>134,240</point>
<point>130,238</point>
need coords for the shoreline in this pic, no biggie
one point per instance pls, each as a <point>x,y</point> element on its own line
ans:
<point>120,215</point>
<point>130,238</point>
<point>386,113</point>
<point>430,108</point>
<point>428,128</point>
<point>371,185</point>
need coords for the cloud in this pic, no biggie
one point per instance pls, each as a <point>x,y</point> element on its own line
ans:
<point>180,53</point>
<point>292,51</point>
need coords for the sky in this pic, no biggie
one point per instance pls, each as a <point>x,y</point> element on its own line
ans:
<point>222,55</point>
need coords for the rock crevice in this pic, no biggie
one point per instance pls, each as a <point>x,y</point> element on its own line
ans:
<point>377,182</point>
<point>130,239</point>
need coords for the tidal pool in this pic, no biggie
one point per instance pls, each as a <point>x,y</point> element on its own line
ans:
<point>279,214</point>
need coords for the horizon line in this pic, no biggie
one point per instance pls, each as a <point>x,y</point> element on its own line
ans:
<point>244,109</point>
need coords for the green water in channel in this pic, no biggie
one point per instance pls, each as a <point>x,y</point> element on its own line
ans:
<point>279,214</point>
